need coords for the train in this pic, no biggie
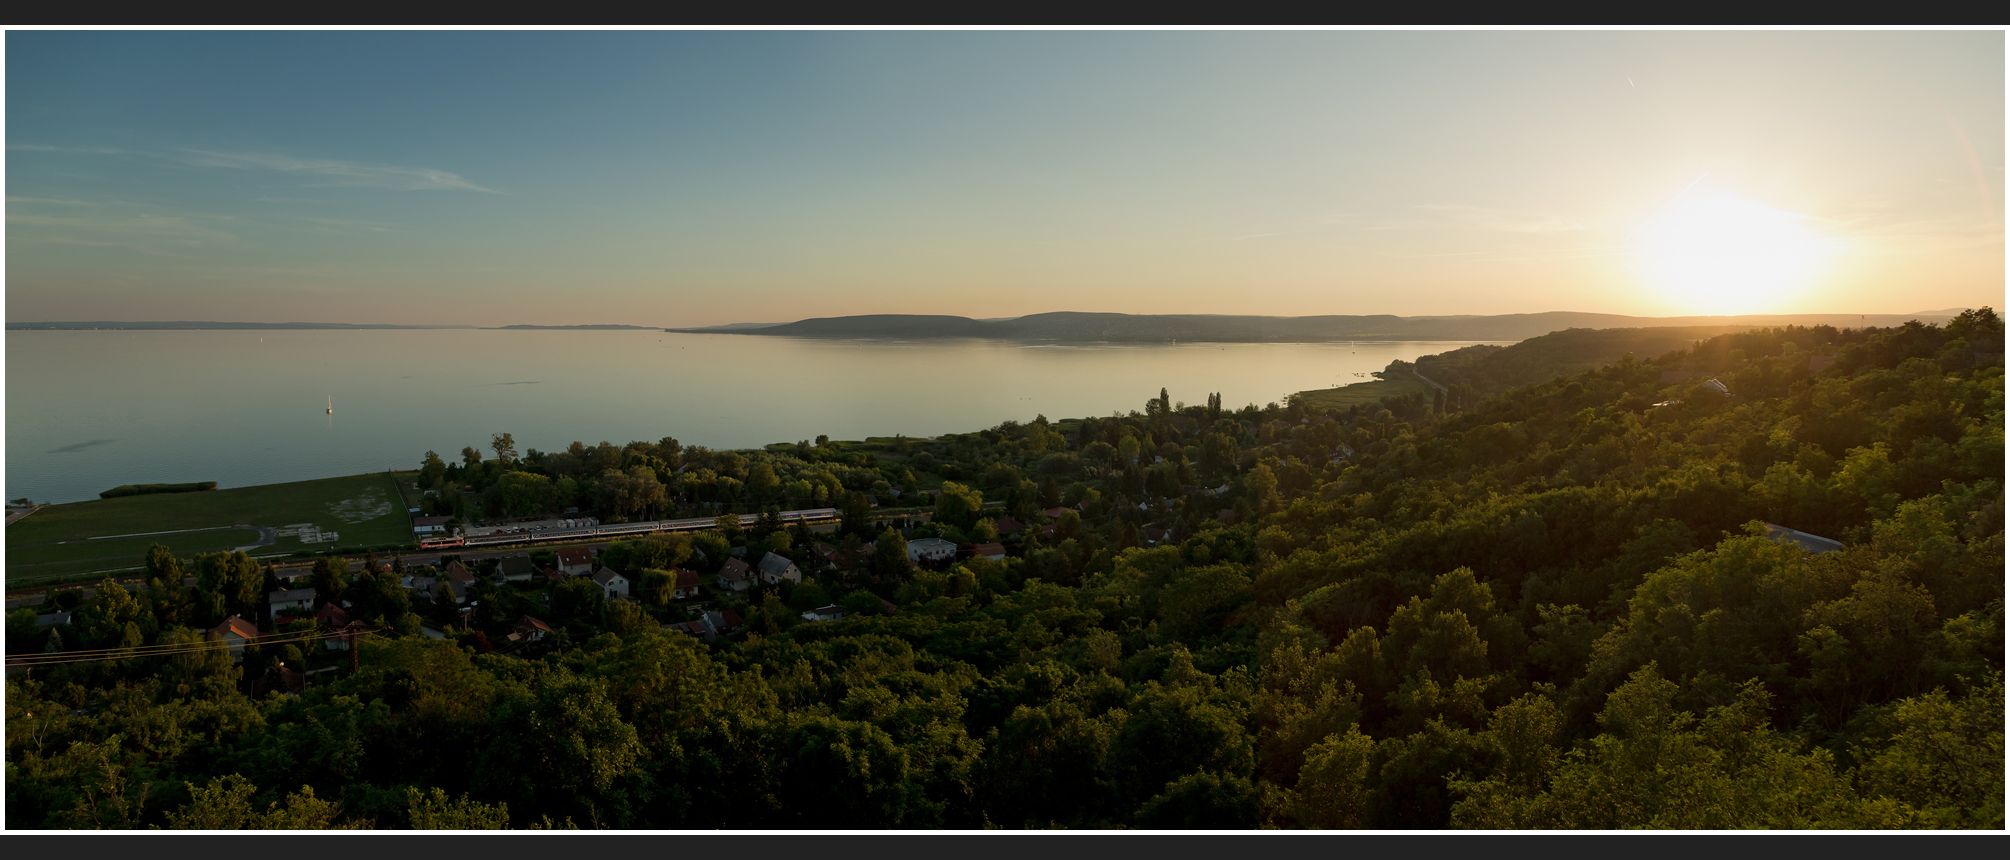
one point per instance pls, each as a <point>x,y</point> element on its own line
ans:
<point>621,530</point>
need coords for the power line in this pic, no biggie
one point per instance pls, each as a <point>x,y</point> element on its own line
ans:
<point>105,654</point>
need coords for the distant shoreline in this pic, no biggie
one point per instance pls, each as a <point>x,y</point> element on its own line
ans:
<point>295,326</point>
<point>1070,327</point>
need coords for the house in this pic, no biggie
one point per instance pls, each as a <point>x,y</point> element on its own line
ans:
<point>1154,534</point>
<point>575,561</point>
<point>736,575</point>
<point>429,525</point>
<point>530,629</point>
<point>1812,543</point>
<point>292,598</point>
<point>331,617</point>
<point>1716,386</point>
<point>775,568</point>
<point>687,583</point>
<point>431,632</point>
<point>723,621</point>
<point>994,551</point>
<point>430,587</point>
<point>53,619</point>
<point>824,613</point>
<point>459,572</point>
<point>929,549</point>
<point>694,628</point>
<point>1054,513</point>
<point>1007,525</point>
<point>516,568</point>
<point>235,633</point>
<point>613,583</point>
<point>825,551</point>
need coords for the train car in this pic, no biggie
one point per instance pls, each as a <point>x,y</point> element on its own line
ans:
<point>623,530</point>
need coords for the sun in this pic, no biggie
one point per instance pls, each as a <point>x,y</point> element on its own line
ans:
<point>1716,254</point>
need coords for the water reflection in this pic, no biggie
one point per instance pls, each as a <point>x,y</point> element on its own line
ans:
<point>223,406</point>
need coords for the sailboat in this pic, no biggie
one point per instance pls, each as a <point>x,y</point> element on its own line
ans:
<point>331,404</point>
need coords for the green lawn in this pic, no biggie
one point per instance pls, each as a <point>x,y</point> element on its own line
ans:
<point>365,509</point>
<point>134,547</point>
<point>1363,393</point>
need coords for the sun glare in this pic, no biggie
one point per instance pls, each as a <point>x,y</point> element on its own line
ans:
<point>1716,254</point>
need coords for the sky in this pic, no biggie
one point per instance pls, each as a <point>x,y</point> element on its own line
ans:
<point>699,178</point>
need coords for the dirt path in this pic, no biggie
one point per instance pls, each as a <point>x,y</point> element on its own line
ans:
<point>265,536</point>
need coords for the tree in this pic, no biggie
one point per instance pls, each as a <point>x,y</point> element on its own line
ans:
<point>958,505</point>
<point>659,587</point>
<point>645,493</point>
<point>226,804</point>
<point>505,448</point>
<point>162,564</point>
<point>762,483</point>
<point>856,516</point>
<point>518,493</point>
<point>433,810</point>
<point>432,471</point>
<point>889,557</point>
<point>330,578</point>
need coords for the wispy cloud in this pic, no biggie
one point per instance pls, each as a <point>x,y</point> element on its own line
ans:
<point>340,172</point>
<point>114,224</point>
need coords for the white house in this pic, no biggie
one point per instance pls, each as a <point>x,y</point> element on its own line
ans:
<point>930,549</point>
<point>429,525</point>
<point>292,598</point>
<point>235,633</point>
<point>531,629</point>
<point>775,568</point>
<point>824,613</point>
<point>613,583</point>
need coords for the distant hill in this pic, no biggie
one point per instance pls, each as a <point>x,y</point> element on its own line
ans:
<point>174,326</point>
<point>1104,327</point>
<point>169,326</point>
<point>572,327</point>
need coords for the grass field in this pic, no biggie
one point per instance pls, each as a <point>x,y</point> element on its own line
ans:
<point>365,509</point>
<point>1363,393</point>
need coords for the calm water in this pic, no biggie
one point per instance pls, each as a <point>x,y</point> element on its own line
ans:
<point>88,411</point>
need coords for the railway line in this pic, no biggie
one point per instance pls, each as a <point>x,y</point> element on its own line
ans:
<point>812,516</point>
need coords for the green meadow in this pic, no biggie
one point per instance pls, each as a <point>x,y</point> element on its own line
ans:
<point>365,510</point>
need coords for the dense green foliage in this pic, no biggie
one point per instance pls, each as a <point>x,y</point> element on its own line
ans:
<point>147,489</point>
<point>1556,608</point>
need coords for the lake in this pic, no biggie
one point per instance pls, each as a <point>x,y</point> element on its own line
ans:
<point>90,410</point>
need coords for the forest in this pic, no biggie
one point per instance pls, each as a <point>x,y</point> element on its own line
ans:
<point>1566,604</point>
